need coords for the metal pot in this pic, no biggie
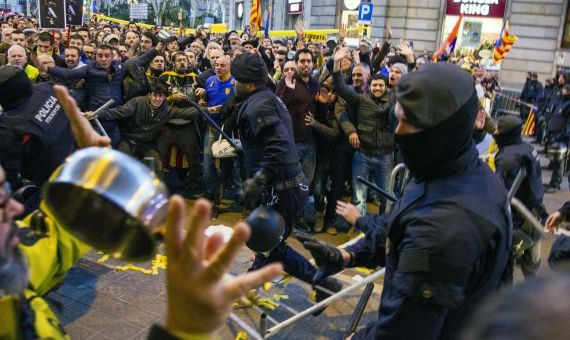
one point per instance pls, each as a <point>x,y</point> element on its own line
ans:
<point>109,200</point>
<point>163,35</point>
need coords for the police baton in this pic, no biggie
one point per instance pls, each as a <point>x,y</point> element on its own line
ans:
<point>215,125</point>
<point>376,188</point>
<point>517,183</point>
<point>97,122</point>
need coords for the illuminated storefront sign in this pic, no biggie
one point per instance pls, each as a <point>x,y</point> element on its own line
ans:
<point>480,8</point>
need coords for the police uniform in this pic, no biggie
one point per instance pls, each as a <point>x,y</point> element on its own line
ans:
<point>513,155</point>
<point>42,131</point>
<point>557,131</point>
<point>266,134</point>
<point>446,243</point>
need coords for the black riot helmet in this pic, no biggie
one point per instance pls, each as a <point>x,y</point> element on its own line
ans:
<point>267,228</point>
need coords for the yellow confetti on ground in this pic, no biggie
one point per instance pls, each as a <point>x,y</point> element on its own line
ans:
<point>159,262</point>
<point>266,303</point>
<point>267,285</point>
<point>313,295</point>
<point>286,279</point>
<point>365,270</point>
<point>241,335</point>
<point>278,297</point>
<point>103,259</point>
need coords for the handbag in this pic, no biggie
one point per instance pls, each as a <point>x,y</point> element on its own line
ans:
<point>222,147</point>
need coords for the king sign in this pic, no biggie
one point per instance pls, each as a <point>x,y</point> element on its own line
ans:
<point>484,8</point>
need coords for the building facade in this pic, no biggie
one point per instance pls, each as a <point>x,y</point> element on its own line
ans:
<point>543,26</point>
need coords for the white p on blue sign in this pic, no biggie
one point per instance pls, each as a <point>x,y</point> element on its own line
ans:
<point>365,12</point>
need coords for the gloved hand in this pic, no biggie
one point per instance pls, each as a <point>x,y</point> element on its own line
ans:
<point>328,259</point>
<point>253,187</point>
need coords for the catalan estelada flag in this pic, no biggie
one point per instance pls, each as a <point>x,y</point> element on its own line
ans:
<point>449,44</point>
<point>529,127</point>
<point>503,44</point>
<point>255,14</point>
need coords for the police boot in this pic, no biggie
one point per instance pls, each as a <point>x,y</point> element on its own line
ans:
<point>332,285</point>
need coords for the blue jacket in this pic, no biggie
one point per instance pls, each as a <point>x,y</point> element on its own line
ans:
<point>449,245</point>
<point>99,84</point>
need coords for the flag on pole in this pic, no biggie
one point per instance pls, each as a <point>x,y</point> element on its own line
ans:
<point>503,44</point>
<point>529,127</point>
<point>266,26</point>
<point>255,14</point>
<point>449,44</point>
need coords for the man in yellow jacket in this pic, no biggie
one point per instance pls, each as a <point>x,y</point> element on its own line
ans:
<point>36,253</point>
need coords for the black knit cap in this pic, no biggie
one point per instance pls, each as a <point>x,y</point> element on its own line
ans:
<point>248,68</point>
<point>434,93</point>
<point>507,123</point>
<point>14,85</point>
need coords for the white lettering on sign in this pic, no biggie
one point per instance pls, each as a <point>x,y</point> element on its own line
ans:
<point>48,110</point>
<point>486,2</point>
<point>473,9</point>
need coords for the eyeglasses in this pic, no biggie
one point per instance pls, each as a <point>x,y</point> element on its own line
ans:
<point>6,194</point>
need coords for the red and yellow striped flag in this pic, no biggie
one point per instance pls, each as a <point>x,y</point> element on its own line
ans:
<point>529,127</point>
<point>504,44</point>
<point>255,14</point>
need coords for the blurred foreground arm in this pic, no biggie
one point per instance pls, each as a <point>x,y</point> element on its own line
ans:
<point>83,132</point>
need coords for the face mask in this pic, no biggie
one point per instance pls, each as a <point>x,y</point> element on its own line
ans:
<point>431,153</point>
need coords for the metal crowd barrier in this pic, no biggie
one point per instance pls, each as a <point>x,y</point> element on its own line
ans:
<point>506,102</point>
<point>268,326</point>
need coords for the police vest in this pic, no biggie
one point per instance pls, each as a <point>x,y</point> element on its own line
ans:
<point>39,121</point>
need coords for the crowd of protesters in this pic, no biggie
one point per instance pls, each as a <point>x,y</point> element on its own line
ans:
<point>342,122</point>
<point>355,113</point>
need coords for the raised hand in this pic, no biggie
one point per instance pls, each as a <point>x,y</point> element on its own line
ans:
<point>348,211</point>
<point>290,81</point>
<point>200,293</point>
<point>554,220</point>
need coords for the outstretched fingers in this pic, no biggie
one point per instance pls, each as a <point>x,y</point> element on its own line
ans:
<point>242,284</point>
<point>193,247</point>
<point>174,227</point>
<point>222,260</point>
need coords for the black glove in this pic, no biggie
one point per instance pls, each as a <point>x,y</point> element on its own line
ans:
<point>328,259</point>
<point>253,187</point>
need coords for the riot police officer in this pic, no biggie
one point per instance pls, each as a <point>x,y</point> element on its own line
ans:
<point>513,155</point>
<point>449,234</point>
<point>557,139</point>
<point>40,132</point>
<point>271,162</point>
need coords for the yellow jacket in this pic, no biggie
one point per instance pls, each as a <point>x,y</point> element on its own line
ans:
<point>50,252</point>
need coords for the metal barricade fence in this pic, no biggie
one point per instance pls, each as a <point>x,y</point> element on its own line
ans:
<point>506,102</point>
<point>268,326</point>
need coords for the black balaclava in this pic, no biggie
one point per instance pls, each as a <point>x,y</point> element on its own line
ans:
<point>441,99</point>
<point>15,86</point>
<point>509,130</point>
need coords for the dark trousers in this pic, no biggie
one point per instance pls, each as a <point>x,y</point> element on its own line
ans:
<point>226,173</point>
<point>187,139</point>
<point>141,151</point>
<point>340,172</point>
<point>289,204</point>
<point>557,173</point>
